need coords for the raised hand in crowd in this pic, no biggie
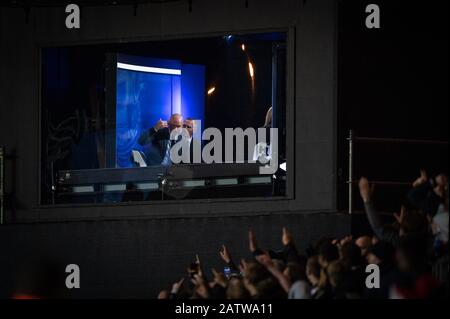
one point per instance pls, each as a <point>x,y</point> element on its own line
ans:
<point>177,286</point>
<point>423,178</point>
<point>365,189</point>
<point>219,279</point>
<point>252,244</point>
<point>265,260</point>
<point>286,237</point>
<point>201,288</point>
<point>225,254</point>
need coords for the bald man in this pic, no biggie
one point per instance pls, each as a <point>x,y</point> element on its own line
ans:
<point>156,140</point>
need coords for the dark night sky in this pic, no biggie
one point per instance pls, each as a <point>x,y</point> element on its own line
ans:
<point>393,82</point>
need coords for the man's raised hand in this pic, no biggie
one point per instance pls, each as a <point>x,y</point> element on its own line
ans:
<point>160,124</point>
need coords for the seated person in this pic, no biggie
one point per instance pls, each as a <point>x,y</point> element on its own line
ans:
<point>156,141</point>
<point>190,125</point>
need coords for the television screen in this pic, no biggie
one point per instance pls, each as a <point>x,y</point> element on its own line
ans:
<point>148,90</point>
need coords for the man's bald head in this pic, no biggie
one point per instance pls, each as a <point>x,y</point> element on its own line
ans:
<point>175,121</point>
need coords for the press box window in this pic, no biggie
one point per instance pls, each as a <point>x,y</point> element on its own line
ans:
<point>100,103</point>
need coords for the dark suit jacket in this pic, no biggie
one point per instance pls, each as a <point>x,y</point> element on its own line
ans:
<point>191,151</point>
<point>155,144</point>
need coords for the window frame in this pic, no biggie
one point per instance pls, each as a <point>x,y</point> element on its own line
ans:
<point>212,206</point>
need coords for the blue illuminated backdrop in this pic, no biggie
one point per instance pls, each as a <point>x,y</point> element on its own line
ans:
<point>149,89</point>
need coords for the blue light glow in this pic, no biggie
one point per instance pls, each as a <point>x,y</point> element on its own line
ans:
<point>142,98</point>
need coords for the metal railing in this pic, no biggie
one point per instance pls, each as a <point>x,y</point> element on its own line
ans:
<point>352,139</point>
